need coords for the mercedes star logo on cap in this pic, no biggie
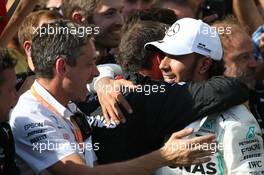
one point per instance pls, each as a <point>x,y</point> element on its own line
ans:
<point>175,28</point>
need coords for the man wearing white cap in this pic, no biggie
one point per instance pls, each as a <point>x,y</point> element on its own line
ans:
<point>193,52</point>
<point>184,42</point>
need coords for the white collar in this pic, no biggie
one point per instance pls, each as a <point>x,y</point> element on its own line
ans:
<point>196,125</point>
<point>62,110</point>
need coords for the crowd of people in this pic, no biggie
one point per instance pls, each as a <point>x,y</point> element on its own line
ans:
<point>125,87</point>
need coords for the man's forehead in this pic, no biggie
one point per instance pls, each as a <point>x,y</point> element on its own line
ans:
<point>241,43</point>
<point>104,5</point>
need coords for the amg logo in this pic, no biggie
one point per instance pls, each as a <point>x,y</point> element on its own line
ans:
<point>255,164</point>
<point>203,47</point>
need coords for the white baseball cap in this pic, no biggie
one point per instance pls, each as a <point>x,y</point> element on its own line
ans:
<point>188,36</point>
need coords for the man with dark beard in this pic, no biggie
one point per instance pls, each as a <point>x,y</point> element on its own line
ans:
<point>105,15</point>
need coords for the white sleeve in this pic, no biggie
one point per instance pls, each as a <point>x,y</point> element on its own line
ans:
<point>106,70</point>
<point>243,148</point>
<point>40,142</point>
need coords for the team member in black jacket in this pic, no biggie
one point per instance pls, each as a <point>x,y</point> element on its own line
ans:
<point>159,108</point>
<point>8,98</point>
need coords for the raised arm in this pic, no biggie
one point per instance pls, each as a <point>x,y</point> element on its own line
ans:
<point>109,92</point>
<point>23,9</point>
<point>180,105</point>
<point>171,154</point>
<point>247,14</point>
<point>217,94</point>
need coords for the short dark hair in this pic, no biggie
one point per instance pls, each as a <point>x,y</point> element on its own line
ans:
<point>216,69</point>
<point>47,47</point>
<point>165,16</point>
<point>26,31</point>
<point>6,62</point>
<point>87,8</point>
<point>132,55</point>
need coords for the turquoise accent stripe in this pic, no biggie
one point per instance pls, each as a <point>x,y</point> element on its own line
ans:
<point>219,156</point>
<point>220,161</point>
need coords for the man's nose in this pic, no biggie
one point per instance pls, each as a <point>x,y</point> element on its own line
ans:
<point>164,64</point>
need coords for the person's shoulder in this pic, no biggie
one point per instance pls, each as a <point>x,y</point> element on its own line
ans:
<point>238,114</point>
<point>26,100</point>
<point>237,120</point>
<point>27,111</point>
<point>28,104</point>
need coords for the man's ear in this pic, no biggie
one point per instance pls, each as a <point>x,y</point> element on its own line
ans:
<point>60,67</point>
<point>77,17</point>
<point>27,49</point>
<point>205,65</point>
